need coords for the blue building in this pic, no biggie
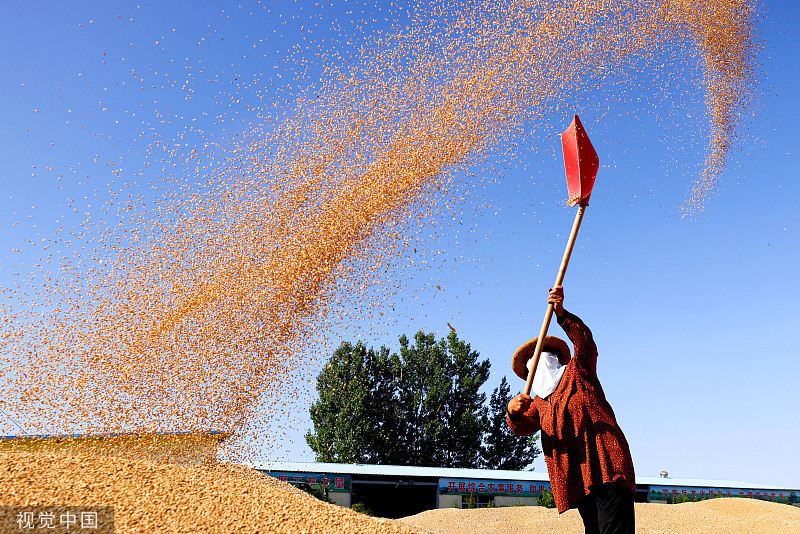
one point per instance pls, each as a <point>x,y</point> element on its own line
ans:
<point>398,491</point>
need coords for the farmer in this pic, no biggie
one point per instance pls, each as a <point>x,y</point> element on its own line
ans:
<point>587,455</point>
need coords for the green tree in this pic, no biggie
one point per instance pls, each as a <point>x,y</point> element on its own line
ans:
<point>348,427</point>
<point>547,499</point>
<point>439,402</point>
<point>466,413</point>
<point>422,406</point>
<point>501,448</point>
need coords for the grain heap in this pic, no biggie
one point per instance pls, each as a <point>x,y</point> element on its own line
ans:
<point>716,516</point>
<point>191,315</point>
<point>156,497</point>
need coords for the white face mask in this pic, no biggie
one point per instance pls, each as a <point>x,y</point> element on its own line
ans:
<point>548,374</point>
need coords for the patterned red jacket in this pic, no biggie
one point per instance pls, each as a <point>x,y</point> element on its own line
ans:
<point>581,441</point>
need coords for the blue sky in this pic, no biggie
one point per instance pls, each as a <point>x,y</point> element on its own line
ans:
<point>696,320</point>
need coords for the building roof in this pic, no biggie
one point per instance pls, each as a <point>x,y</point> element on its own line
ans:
<point>397,470</point>
<point>710,483</point>
<point>487,474</point>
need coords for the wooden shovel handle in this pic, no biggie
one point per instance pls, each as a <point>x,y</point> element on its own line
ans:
<point>549,314</point>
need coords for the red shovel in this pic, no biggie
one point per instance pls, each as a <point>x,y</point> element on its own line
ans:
<point>581,164</point>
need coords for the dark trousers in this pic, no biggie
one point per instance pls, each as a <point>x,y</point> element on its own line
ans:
<point>608,509</point>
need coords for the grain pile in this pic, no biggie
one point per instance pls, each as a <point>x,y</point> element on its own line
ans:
<point>193,313</point>
<point>160,497</point>
<point>716,516</point>
<point>156,497</point>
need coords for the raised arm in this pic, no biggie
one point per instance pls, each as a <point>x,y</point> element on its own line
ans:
<point>576,330</point>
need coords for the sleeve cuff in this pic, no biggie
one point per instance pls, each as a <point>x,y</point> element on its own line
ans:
<point>513,418</point>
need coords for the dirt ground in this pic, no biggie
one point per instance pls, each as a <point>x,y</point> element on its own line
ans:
<point>717,516</point>
<point>156,497</point>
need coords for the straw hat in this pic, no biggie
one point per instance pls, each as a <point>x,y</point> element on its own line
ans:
<point>551,344</point>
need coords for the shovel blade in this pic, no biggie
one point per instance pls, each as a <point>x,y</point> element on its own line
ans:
<point>580,162</point>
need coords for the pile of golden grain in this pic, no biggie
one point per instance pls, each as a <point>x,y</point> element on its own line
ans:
<point>158,497</point>
<point>717,516</point>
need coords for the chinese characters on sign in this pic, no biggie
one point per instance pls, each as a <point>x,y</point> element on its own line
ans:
<point>671,493</point>
<point>331,483</point>
<point>453,486</point>
<point>57,519</point>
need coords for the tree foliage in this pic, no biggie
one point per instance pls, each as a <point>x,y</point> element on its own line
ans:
<point>438,401</point>
<point>502,449</point>
<point>547,499</point>
<point>348,428</point>
<point>422,406</point>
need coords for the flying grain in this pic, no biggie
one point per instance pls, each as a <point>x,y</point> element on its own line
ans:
<point>196,312</point>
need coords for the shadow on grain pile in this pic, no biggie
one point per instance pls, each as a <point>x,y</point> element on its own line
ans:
<point>717,516</point>
<point>159,497</point>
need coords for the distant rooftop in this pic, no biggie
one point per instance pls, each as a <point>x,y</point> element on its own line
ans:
<point>488,474</point>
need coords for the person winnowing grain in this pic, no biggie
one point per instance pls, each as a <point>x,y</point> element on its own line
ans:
<point>587,455</point>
